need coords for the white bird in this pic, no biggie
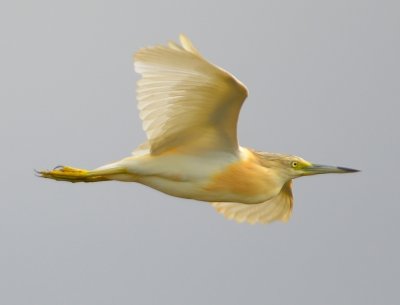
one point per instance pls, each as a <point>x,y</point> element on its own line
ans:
<point>190,108</point>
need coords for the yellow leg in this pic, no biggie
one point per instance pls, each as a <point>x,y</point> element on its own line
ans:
<point>71,174</point>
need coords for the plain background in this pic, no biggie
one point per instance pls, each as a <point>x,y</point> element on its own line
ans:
<point>324,84</point>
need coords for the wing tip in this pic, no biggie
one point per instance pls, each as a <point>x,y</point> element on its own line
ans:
<point>278,208</point>
<point>188,45</point>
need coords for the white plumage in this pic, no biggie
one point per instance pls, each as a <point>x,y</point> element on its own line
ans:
<point>190,108</point>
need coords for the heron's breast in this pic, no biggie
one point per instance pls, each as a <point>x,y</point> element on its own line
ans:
<point>246,178</point>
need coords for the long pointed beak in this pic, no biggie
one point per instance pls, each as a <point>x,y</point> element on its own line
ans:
<point>316,169</point>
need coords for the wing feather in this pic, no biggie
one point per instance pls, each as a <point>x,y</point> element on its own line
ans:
<point>185,101</point>
<point>278,208</point>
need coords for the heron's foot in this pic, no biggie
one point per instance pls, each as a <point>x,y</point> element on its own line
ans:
<point>71,174</point>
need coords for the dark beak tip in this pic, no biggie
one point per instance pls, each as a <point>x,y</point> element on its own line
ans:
<point>349,170</point>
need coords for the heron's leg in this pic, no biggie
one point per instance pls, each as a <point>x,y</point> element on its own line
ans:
<point>71,174</point>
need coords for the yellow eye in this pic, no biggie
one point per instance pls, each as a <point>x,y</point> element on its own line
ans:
<point>294,164</point>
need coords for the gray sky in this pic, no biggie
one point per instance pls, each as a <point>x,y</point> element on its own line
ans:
<point>323,78</point>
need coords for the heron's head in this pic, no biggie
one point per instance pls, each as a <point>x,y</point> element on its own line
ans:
<point>291,167</point>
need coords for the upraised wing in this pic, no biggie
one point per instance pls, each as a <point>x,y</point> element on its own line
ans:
<point>277,208</point>
<point>185,102</point>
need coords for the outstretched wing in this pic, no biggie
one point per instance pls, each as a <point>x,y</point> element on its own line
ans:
<point>277,208</point>
<point>185,102</point>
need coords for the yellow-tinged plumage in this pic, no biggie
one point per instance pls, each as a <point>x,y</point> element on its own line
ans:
<point>182,98</point>
<point>276,208</point>
<point>246,177</point>
<point>190,108</point>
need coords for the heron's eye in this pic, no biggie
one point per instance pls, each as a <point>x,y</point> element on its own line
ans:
<point>294,164</point>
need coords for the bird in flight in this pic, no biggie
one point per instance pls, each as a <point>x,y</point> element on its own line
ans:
<point>189,108</point>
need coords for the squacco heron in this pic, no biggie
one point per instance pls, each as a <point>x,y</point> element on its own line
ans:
<point>190,108</point>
